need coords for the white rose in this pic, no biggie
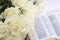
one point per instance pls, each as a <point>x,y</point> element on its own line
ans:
<point>13,24</point>
<point>16,29</point>
<point>11,11</point>
<point>30,9</point>
<point>22,23</point>
<point>3,30</point>
<point>19,3</point>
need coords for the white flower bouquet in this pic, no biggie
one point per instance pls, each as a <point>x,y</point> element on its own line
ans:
<point>17,19</point>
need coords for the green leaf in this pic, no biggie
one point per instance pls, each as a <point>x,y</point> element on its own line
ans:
<point>5,4</point>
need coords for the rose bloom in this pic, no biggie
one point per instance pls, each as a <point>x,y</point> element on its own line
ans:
<point>16,29</point>
<point>13,24</point>
<point>19,3</point>
<point>11,11</point>
<point>30,9</point>
<point>24,23</point>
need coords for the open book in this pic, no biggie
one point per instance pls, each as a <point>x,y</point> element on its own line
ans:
<point>48,26</point>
